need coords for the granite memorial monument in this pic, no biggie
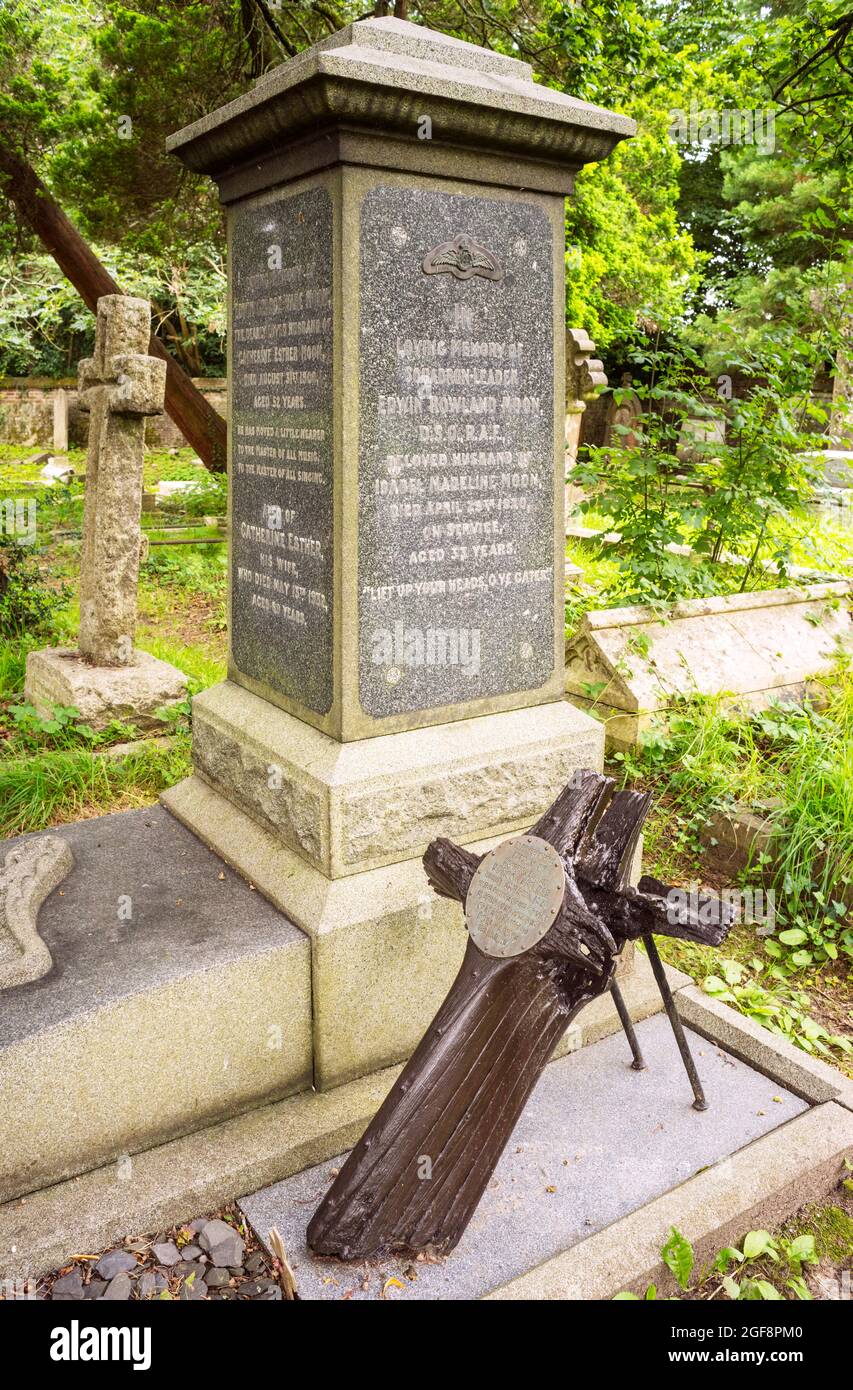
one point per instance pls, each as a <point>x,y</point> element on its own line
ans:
<point>395,204</point>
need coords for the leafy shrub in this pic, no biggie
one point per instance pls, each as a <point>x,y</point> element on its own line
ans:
<point>210,498</point>
<point>27,603</point>
<point>719,497</point>
<point>765,1253</point>
<point>30,732</point>
<point>708,758</point>
<point>203,570</point>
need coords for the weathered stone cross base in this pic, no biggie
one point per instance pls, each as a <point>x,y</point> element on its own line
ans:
<point>133,693</point>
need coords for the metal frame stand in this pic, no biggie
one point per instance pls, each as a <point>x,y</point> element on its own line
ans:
<point>638,1064</point>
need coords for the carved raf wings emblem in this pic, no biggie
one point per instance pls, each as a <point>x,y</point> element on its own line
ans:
<point>462,258</point>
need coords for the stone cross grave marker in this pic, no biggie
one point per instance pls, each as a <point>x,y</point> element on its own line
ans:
<point>119,386</point>
<point>107,678</point>
<point>547,915</point>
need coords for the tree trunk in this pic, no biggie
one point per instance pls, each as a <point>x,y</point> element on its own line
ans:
<point>194,416</point>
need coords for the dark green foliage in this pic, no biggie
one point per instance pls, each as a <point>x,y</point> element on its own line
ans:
<point>27,603</point>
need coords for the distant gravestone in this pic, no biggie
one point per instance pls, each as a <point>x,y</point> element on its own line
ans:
<point>697,438</point>
<point>629,663</point>
<point>624,417</point>
<point>109,678</point>
<point>837,464</point>
<point>585,377</point>
<point>60,420</point>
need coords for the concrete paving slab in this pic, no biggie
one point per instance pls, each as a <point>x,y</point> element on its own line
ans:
<point>606,1139</point>
<point>177,997</point>
<point>758,1188</point>
<point>188,912</point>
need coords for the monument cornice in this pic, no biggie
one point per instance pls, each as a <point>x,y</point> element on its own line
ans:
<point>386,76</point>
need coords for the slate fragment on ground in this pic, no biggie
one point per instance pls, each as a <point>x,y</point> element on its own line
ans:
<point>211,1258</point>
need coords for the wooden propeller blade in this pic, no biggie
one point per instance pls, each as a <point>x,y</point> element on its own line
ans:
<point>415,1177</point>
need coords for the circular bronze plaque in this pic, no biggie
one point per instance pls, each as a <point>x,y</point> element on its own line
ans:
<point>515,896</point>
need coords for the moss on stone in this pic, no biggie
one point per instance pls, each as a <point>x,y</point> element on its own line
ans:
<point>831,1226</point>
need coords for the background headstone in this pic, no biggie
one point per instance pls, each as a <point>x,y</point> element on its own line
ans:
<point>585,378</point>
<point>60,420</point>
<point>757,647</point>
<point>624,418</point>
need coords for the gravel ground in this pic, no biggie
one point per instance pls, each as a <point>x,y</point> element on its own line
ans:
<point>214,1257</point>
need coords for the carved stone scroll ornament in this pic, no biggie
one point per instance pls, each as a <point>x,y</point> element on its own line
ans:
<point>28,876</point>
<point>463,258</point>
<point>585,377</point>
<point>415,1177</point>
<point>585,374</point>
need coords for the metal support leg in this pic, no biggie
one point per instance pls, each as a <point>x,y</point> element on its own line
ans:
<point>625,1019</point>
<point>699,1101</point>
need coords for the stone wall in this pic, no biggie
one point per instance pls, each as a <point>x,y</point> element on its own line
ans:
<point>26,413</point>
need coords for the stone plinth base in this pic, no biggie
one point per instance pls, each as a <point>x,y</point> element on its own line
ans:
<point>333,834</point>
<point>102,694</point>
<point>348,807</point>
<point>191,1007</point>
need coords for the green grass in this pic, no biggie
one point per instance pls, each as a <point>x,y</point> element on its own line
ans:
<point>198,665</point>
<point>63,506</point>
<point>599,576</point>
<point>52,788</point>
<point>13,661</point>
<point>792,763</point>
<point>795,765</point>
<point>202,569</point>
